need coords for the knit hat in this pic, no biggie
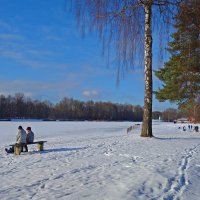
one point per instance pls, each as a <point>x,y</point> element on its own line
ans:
<point>20,127</point>
<point>28,128</point>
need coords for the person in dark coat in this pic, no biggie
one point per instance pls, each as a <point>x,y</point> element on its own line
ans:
<point>196,128</point>
<point>29,137</point>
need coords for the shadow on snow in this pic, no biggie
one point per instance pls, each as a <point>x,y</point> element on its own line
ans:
<point>178,138</point>
<point>58,150</point>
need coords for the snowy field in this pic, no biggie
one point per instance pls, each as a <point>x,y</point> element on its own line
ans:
<point>100,161</point>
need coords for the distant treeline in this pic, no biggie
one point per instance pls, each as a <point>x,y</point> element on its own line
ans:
<point>21,107</point>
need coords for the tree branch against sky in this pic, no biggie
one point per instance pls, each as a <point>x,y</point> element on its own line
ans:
<point>127,24</point>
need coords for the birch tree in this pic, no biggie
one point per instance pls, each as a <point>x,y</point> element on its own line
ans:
<point>127,24</point>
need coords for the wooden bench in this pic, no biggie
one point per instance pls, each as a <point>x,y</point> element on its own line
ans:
<point>18,147</point>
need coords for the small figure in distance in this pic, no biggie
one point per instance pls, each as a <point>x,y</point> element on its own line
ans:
<point>20,139</point>
<point>29,137</point>
<point>184,128</point>
<point>196,129</point>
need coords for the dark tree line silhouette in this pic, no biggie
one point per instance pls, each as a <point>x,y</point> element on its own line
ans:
<point>21,107</point>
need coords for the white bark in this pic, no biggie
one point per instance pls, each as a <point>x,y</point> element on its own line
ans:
<point>147,116</point>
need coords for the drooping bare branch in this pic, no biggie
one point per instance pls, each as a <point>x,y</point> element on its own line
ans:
<point>127,24</point>
<point>120,25</point>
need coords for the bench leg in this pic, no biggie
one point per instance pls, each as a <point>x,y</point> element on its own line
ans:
<point>40,146</point>
<point>17,150</point>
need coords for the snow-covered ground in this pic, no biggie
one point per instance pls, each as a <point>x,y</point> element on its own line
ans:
<point>100,161</point>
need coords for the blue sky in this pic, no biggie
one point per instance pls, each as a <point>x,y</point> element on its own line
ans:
<point>43,55</point>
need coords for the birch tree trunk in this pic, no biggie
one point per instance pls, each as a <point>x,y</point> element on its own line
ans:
<point>147,116</point>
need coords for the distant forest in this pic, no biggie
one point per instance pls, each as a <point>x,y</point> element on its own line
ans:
<point>21,107</point>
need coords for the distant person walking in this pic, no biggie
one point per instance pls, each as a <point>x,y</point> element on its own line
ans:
<point>196,129</point>
<point>20,139</point>
<point>184,128</point>
<point>29,137</point>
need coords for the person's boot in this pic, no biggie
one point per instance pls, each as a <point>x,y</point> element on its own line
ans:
<point>26,148</point>
<point>9,150</point>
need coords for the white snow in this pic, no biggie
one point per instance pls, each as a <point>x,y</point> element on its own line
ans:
<point>99,160</point>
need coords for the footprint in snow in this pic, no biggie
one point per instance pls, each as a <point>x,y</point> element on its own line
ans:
<point>135,159</point>
<point>42,186</point>
<point>124,155</point>
<point>108,153</point>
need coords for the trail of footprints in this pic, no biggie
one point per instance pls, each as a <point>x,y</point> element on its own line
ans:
<point>176,185</point>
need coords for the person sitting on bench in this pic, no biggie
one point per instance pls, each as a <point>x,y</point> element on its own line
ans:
<point>20,139</point>
<point>29,137</point>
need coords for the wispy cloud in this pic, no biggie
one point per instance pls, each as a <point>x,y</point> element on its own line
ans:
<point>11,54</point>
<point>26,94</point>
<point>35,88</point>
<point>34,85</point>
<point>90,93</point>
<point>36,52</point>
<point>9,36</point>
<point>4,25</point>
<point>22,49</point>
<point>52,32</point>
<point>31,59</point>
